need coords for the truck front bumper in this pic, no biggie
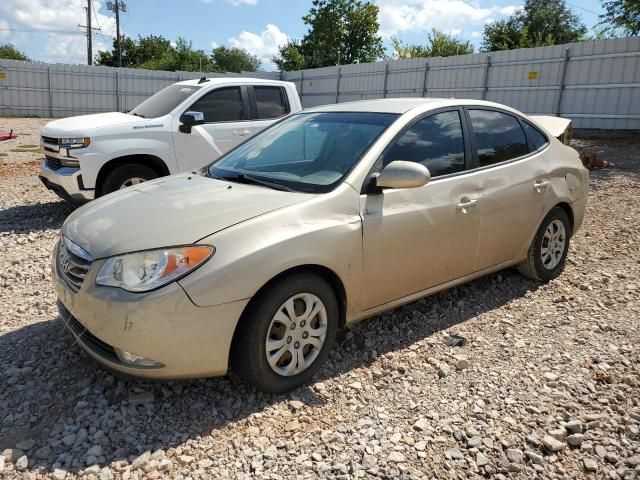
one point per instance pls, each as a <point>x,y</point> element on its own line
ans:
<point>66,182</point>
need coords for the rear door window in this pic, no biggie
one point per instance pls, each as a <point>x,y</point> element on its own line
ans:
<point>220,105</point>
<point>271,102</point>
<point>498,136</point>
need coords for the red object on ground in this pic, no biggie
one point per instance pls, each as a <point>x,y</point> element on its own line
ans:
<point>7,136</point>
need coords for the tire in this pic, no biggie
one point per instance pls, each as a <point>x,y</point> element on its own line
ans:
<point>548,264</point>
<point>259,323</point>
<point>118,178</point>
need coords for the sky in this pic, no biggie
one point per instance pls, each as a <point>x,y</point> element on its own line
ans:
<point>48,30</point>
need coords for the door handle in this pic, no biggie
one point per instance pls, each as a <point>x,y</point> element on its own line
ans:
<point>242,133</point>
<point>466,205</point>
<point>540,185</point>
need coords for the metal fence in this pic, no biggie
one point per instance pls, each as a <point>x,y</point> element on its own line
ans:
<point>597,84</point>
<point>34,89</point>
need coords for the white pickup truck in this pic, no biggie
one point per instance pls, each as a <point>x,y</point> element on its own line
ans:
<point>182,127</point>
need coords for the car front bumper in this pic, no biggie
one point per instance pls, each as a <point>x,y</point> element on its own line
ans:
<point>66,182</point>
<point>164,326</point>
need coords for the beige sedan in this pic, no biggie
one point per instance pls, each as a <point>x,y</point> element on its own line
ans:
<point>328,217</point>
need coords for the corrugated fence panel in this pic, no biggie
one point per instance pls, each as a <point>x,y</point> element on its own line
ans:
<point>596,84</point>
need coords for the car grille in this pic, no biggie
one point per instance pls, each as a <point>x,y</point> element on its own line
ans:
<point>53,163</point>
<point>51,140</point>
<point>71,267</point>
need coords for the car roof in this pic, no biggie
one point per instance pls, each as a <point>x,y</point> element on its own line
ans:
<point>402,105</point>
<point>223,80</point>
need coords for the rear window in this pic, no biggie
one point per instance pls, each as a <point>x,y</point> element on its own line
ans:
<point>499,136</point>
<point>537,138</point>
<point>271,102</point>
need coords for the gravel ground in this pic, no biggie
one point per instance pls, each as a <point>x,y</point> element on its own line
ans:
<point>546,386</point>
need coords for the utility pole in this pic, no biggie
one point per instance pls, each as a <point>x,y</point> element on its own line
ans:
<point>116,6</point>
<point>118,33</point>
<point>89,35</point>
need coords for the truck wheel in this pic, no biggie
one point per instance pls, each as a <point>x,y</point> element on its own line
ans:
<point>126,176</point>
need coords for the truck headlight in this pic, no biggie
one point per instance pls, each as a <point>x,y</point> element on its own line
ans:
<point>74,142</point>
<point>151,269</point>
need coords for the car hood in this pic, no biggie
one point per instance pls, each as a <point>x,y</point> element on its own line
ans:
<point>170,211</point>
<point>78,126</point>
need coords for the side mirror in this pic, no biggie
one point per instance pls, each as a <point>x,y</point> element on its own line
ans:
<point>402,174</point>
<point>190,119</point>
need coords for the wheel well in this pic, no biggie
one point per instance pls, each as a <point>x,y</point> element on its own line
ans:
<point>326,273</point>
<point>151,161</point>
<point>567,209</point>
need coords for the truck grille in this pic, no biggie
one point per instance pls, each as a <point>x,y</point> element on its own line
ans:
<point>53,163</point>
<point>73,264</point>
<point>51,140</point>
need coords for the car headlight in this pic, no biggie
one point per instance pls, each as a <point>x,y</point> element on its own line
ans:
<point>151,269</point>
<point>74,142</point>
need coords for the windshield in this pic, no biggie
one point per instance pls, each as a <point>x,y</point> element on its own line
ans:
<point>307,152</point>
<point>164,101</point>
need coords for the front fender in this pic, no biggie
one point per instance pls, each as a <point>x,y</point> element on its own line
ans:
<point>325,231</point>
<point>107,149</point>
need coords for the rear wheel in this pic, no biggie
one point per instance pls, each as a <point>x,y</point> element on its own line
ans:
<point>548,251</point>
<point>127,176</point>
<point>286,333</point>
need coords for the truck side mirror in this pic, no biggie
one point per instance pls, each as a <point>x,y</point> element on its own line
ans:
<point>190,119</point>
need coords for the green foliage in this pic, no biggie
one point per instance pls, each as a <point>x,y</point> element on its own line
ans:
<point>539,23</point>
<point>156,53</point>
<point>9,51</point>
<point>290,57</point>
<point>235,60</point>
<point>621,17</point>
<point>340,32</point>
<point>439,44</point>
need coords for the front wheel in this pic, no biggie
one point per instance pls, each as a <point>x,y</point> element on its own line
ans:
<point>286,333</point>
<point>547,253</point>
<point>127,176</point>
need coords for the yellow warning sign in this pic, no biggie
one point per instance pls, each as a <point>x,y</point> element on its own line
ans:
<point>533,75</point>
<point>3,75</point>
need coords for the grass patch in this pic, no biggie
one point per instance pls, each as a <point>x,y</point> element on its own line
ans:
<point>2,154</point>
<point>25,150</point>
<point>29,146</point>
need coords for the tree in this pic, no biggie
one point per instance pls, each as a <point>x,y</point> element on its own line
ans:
<point>156,53</point>
<point>340,32</point>
<point>621,16</point>
<point>134,53</point>
<point>439,44</point>
<point>235,60</point>
<point>290,57</point>
<point>539,23</point>
<point>10,52</point>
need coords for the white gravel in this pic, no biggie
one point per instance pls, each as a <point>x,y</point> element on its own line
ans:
<point>547,384</point>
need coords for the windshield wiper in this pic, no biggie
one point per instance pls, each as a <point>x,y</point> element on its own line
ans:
<point>244,178</point>
<point>137,115</point>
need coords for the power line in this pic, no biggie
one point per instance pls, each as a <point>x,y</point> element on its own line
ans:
<point>38,30</point>
<point>96,15</point>
<point>57,32</point>
<point>582,8</point>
